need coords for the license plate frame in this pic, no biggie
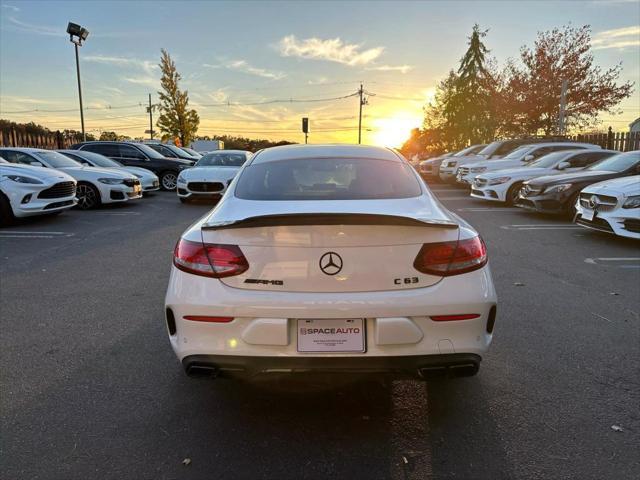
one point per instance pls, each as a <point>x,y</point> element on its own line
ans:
<point>589,215</point>
<point>331,342</point>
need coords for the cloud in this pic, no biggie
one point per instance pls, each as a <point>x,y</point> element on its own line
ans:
<point>392,68</point>
<point>617,38</point>
<point>37,29</point>
<point>11,7</point>
<point>148,66</point>
<point>332,50</point>
<point>244,67</point>
<point>151,81</point>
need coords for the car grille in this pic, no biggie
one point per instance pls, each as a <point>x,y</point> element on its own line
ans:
<point>480,182</point>
<point>130,182</point>
<point>58,204</point>
<point>59,190</point>
<point>632,225</point>
<point>463,171</point>
<point>602,203</point>
<point>451,164</point>
<point>596,223</point>
<point>480,193</point>
<point>530,191</point>
<point>205,187</point>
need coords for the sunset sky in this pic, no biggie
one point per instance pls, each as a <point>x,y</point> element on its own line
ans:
<point>252,53</point>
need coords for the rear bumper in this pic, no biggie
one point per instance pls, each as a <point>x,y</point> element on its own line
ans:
<point>421,366</point>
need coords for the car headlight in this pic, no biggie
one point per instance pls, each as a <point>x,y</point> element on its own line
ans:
<point>181,179</point>
<point>558,188</point>
<point>632,202</point>
<point>111,181</point>
<point>21,179</point>
<point>478,169</point>
<point>499,180</point>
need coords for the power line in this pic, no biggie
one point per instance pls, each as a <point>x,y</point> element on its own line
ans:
<point>109,107</point>
<point>269,102</point>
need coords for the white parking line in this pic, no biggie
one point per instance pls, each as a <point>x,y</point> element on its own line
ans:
<point>30,234</point>
<point>541,227</point>
<point>629,262</point>
<point>117,214</point>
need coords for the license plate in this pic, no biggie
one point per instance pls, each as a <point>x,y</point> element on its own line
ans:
<point>331,335</point>
<point>588,215</point>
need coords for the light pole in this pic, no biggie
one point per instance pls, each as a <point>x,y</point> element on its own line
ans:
<point>80,34</point>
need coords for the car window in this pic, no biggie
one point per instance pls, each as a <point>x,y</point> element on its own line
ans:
<point>100,160</point>
<point>327,179</point>
<point>149,152</point>
<point>77,158</point>
<point>127,151</point>
<point>549,160</point>
<point>518,152</point>
<point>585,159</point>
<point>222,160</point>
<point>55,159</point>
<point>617,163</point>
<point>161,149</point>
<point>107,149</point>
<point>18,157</point>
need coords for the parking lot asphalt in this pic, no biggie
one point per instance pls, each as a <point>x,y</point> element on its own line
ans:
<point>91,388</point>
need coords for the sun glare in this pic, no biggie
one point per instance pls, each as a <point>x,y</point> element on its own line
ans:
<point>393,131</point>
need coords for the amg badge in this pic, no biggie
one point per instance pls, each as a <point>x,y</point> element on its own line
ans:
<point>263,282</point>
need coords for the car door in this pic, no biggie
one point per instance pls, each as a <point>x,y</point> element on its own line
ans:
<point>132,157</point>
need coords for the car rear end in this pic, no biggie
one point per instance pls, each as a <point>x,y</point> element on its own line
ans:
<point>341,285</point>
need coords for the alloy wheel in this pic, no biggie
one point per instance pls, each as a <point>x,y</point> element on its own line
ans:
<point>169,181</point>
<point>87,197</point>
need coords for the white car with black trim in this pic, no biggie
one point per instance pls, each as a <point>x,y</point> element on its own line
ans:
<point>211,175</point>
<point>520,157</point>
<point>612,206</point>
<point>330,258</point>
<point>148,180</point>
<point>26,191</point>
<point>95,185</point>
<point>504,185</point>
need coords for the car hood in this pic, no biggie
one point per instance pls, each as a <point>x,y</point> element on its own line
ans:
<point>498,164</point>
<point>207,174</point>
<point>520,172</point>
<point>91,173</point>
<point>626,185</point>
<point>143,172</point>
<point>41,173</point>
<point>590,176</point>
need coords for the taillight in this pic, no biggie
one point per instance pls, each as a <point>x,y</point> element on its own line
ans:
<point>209,260</point>
<point>451,258</point>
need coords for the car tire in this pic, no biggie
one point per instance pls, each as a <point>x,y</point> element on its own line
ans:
<point>512,194</point>
<point>6,212</point>
<point>88,196</point>
<point>169,181</point>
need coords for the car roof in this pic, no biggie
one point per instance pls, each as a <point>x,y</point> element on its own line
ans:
<point>26,149</point>
<point>291,152</point>
<point>558,144</point>
<point>227,151</point>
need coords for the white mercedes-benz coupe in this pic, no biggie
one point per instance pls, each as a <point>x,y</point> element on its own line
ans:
<point>26,191</point>
<point>95,185</point>
<point>148,180</point>
<point>212,174</point>
<point>330,258</point>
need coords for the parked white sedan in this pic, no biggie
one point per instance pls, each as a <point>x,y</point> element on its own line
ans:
<point>148,180</point>
<point>504,185</point>
<point>95,185</point>
<point>212,174</point>
<point>26,191</point>
<point>520,157</point>
<point>612,206</point>
<point>330,258</point>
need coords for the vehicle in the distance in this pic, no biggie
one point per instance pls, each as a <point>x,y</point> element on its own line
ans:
<point>148,180</point>
<point>612,206</point>
<point>504,185</point>
<point>95,185</point>
<point>133,154</point>
<point>192,152</point>
<point>429,169</point>
<point>212,174</point>
<point>171,151</point>
<point>520,157</point>
<point>330,258</point>
<point>206,146</point>
<point>559,193</point>
<point>494,150</point>
<point>26,191</point>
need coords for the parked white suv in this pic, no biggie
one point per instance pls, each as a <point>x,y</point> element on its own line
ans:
<point>330,258</point>
<point>95,185</point>
<point>26,191</point>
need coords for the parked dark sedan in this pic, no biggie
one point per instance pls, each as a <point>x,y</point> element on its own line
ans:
<point>559,193</point>
<point>171,151</point>
<point>133,154</point>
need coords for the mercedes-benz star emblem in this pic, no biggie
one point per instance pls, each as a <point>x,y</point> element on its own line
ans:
<point>331,263</point>
<point>593,202</point>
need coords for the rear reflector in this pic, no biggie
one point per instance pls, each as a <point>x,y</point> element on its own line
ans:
<point>209,260</point>
<point>451,258</point>
<point>204,318</point>
<point>449,318</point>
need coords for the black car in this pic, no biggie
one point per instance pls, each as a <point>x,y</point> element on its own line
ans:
<point>171,151</point>
<point>559,193</point>
<point>134,154</point>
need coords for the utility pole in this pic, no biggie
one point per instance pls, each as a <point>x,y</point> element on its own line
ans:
<point>563,106</point>
<point>84,135</point>
<point>150,118</point>
<point>363,101</point>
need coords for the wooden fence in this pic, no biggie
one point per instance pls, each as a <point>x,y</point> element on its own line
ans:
<point>16,137</point>
<point>621,141</point>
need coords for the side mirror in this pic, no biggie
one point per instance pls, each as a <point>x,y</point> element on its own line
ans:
<point>563,166</point>
<point>528,158</point>
<point>35,164</point>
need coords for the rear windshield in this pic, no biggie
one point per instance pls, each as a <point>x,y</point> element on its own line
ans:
<point>222,160</point>
<point>617,163</point>
<point>327,179</point>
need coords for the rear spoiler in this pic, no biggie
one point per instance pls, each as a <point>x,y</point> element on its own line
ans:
<point>291,219</point>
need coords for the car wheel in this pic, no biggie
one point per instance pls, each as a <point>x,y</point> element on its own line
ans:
<point>512,194</point>
<point>168,180</point>
<point>6,213</point>
<point>88,196</point>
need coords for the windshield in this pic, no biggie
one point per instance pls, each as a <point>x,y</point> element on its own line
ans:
<point>178,151</point>
<point>222,160</point>
<point>191,152</point>
<point>549,160</point>
<point>469,150</point>
<point>99,160</point>
<point>150,152</point>
<point>617,163</point>
<point>328,179</point>
<point>518,152</point>
<point>57,160</point>
<point>489,149</point>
